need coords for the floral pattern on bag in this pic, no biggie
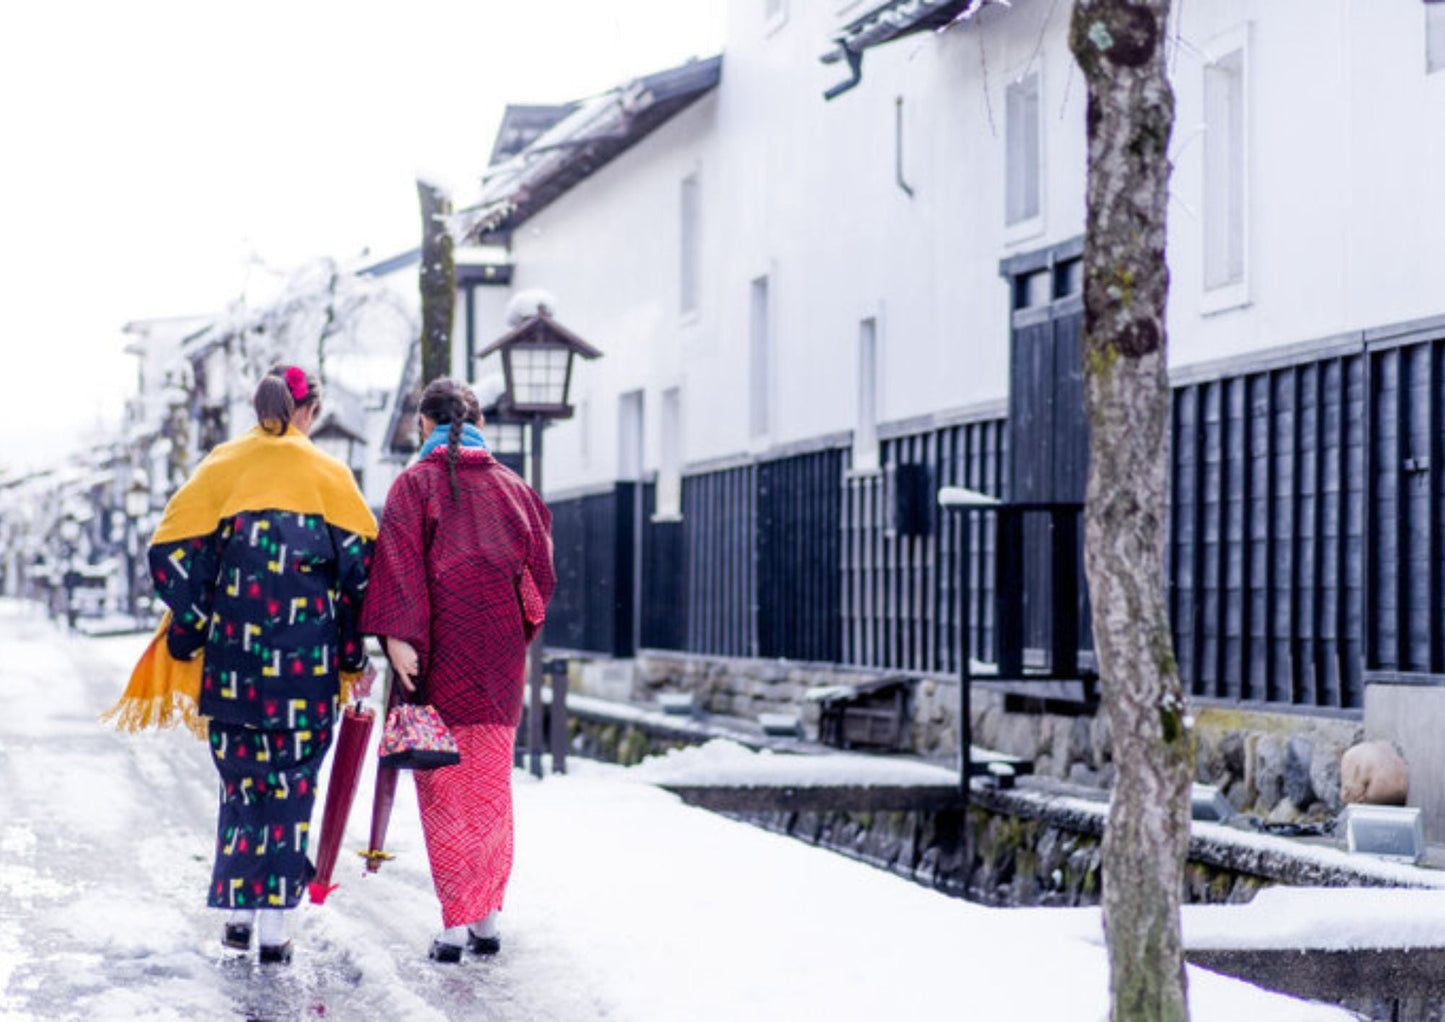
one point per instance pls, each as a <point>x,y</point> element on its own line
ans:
<point>415,738</point>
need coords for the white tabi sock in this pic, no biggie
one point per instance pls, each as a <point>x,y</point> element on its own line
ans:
<point>272,929</point>
<point>486,926</point>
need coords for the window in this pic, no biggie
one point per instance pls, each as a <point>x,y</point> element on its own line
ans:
<point>669,476</point>
<point>865,433</point>
<point>584,431</point>
<point>1224,161</point>
<point>758,356</point>
<point>691,253</point>
<point>629,435</point>
<point>775,12</point>
<point>1434,35</point>
<point>1022,153</point>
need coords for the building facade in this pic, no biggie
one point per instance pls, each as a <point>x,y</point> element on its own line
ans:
<point>817,312</point>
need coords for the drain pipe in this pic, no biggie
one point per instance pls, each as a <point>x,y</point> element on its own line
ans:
<point>855,67</point>
<point>898,148</point>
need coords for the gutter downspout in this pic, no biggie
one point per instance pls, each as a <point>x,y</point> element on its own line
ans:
<point>898,148</point>
<point>855,67</point>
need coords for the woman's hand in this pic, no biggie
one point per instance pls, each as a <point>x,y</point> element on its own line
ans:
<point>403,661</point>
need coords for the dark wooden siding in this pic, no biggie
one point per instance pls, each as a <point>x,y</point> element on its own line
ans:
<point>900,602</point>
<point>592,547</point>
<point>799,504</point>
<point>1266,534</point>
<point>664,578</point>
<point>1405,633</point>
<point>718,510</point>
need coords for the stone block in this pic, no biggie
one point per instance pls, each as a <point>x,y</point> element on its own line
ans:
<point>1299,754</point>
<point>1374,773</point>
<point>1099,740</point>
<point>1325,773</point>
<point>1231,753</point>
<point>1018,735</point>
<point>1269,761</point>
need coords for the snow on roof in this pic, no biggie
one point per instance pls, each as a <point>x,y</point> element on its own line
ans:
<point>596,131</point>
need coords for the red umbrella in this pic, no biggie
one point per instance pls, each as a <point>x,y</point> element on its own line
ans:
<point>351,742</point>
<point>385,795</point>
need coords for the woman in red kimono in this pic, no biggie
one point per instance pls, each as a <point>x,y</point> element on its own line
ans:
<point>462,538</point>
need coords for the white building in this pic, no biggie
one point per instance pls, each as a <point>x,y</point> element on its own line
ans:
<point>814,310</point>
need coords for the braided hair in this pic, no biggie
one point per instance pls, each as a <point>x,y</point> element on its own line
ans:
<point>450,403</point>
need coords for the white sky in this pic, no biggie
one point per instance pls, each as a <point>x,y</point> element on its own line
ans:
<point>152,148</point>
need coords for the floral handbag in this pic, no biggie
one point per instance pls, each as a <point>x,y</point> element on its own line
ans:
<point>415,738</point>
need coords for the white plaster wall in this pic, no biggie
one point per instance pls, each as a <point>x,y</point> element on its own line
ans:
<point>1347,134</point>
<point>1346,226</point>
<point>804,191</point>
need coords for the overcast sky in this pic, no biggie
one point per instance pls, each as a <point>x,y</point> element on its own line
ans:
<point>153,150</point>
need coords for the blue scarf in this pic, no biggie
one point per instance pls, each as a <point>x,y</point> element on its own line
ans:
<point>471,437</point>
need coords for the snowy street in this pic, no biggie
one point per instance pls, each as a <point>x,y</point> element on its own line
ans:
<point>625,904</point>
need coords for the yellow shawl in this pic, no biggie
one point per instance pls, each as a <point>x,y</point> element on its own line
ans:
<point>255,472</point>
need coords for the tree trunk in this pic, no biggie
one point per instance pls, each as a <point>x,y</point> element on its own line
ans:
<point>1120,47</point>
<point>438,283</point>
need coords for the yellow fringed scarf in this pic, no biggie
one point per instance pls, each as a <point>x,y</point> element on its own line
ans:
<point>254,472</point>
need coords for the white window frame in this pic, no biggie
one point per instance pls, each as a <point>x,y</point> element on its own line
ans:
<point>631,435</point>
<point>1232,294</point>
<point>670,455</point>
<point>762,343</point>
<point>869,410</point>
<point>776,20</point>
<point>689,247</point>
<point>584,432</point>
<point>1029,226</point>
<point>1434,36</point>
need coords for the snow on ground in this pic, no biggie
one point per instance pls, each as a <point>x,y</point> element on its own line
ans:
<point>723,762</point>
<point>625,904</point>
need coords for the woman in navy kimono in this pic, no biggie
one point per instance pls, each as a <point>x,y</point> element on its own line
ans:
<point>262,558</point>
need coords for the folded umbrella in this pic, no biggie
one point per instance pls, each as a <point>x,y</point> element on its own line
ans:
<point>384,795</point>
<point>351,742</point>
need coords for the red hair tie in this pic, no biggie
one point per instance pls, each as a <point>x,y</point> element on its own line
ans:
<point>296,380</point>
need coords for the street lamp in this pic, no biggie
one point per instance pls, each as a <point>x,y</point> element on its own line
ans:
<point>537,357</point>
<point>70,538</point>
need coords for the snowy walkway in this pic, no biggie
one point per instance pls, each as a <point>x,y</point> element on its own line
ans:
<point>625,904</point>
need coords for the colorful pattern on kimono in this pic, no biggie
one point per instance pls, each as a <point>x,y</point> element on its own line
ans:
<point>273,598</point>
<point>448,578</point>
<point>466,818</point>
<point>268,789</point>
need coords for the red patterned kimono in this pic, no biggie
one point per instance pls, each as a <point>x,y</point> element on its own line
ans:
<point>445,578</point>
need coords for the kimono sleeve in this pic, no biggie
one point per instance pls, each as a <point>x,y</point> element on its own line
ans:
<point>353,564</point>
<point>398,600</point>
<point>184,572</point>
<point>539,549</point>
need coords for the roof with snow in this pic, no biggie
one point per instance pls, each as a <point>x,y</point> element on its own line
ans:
<point>884,22</point>
<point>594,132</point>
<point>522,125</point>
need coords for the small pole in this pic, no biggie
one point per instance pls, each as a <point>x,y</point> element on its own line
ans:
<point>965,688</point>
<point>557,672</point>
<point>534,722</point>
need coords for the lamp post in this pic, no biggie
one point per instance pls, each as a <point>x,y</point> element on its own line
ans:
<point>537,357</point>
<point>70,539</point>
<point>137,503</point>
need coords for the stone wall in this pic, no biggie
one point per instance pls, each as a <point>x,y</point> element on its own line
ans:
<point>1284,767</point>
